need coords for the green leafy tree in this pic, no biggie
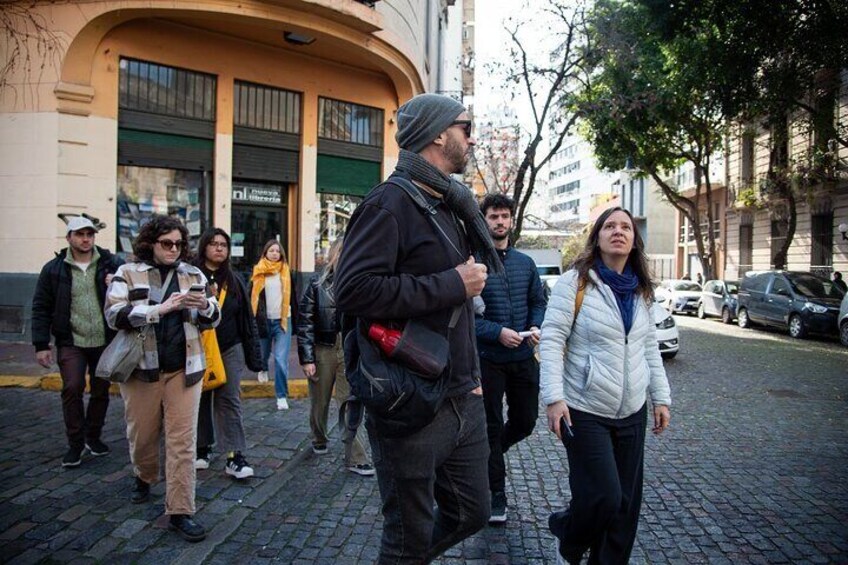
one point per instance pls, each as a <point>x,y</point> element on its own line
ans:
<point>648,104</point>
<point>773,62</point>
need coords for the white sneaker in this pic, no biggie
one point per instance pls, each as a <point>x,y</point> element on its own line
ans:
<point>201,463</point>
<point>363,469</point>
<point>238,468</point>
<point>282,404</point>
<point>262,376</point>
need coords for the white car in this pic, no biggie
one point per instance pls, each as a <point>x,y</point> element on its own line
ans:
<point>668,337</point>
<point>550,275</point>
<point>679,296</point>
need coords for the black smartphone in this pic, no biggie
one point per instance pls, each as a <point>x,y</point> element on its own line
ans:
<point>566,435</point>
<point>198,288</point>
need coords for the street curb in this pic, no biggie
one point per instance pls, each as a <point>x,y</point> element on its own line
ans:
<point>298,388</point>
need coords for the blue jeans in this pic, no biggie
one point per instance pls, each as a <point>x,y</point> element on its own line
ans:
<point>282,344</point>
<point>444,463</point>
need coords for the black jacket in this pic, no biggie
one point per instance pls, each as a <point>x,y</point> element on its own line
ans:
<point>396,266</point>
<point>51,303</point>
<point>262,309</point>
<point>248,330</point>
<point>318,322</point>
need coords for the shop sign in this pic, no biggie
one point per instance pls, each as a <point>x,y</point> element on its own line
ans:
<point>258,194</point>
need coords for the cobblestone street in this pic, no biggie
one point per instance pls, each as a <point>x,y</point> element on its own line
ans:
<point>754,469</point>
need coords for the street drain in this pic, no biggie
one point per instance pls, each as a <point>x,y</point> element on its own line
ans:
<point>785,393</point>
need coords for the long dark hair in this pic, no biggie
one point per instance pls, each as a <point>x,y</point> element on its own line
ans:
<point>224,275</point>
<point>268,245</point>
<point>156,227</point>
<point>637,259</point>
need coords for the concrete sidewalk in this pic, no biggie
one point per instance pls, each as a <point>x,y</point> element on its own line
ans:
<point>18,368</point>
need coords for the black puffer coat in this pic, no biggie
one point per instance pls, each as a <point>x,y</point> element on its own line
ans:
<point>318,322</point>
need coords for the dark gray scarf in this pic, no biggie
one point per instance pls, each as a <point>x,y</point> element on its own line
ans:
<point>459,199</point>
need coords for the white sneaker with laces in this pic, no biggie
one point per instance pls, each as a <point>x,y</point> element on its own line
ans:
<point>262,376</point>
<point>282,404</point>
<point>363,469</point>
<point>201,463</point>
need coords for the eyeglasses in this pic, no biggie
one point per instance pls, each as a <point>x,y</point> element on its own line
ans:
<point>466,126</point>
<point>217,244</point>
<point>168,245</point>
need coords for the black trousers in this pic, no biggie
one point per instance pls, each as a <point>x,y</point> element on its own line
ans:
<point>605,460</point>
<point>432,483</point>
<point>519,382</point>
<point>82,425</point>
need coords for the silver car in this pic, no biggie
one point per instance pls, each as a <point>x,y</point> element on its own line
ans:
<point>843,321</point>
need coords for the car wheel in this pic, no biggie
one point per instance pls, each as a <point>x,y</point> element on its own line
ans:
<point>797,327</point>
<point>701,313</point>
<point>725,315</point>
<point>742,319</point>
<point>669,355</point>
<point>843,333</point>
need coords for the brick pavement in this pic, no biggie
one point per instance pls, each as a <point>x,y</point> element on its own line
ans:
<point>753,470</point>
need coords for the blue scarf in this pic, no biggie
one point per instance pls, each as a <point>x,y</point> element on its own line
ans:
<point>624,287</point>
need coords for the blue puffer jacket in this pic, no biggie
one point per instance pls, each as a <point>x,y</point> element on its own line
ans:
<point>516,302</point>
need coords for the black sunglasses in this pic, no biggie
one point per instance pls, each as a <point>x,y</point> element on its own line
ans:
<point>167,244</point>
<point>466,126</point>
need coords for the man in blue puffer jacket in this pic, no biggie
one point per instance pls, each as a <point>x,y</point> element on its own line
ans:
<point>507,331</point>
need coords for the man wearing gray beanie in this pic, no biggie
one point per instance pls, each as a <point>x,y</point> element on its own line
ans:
<point>408,256</point>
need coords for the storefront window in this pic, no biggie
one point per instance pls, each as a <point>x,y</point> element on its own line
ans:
<point>334,216</point>
<point>144,191</point>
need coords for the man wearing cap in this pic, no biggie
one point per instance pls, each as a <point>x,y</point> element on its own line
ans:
<point>397,265</point>
<point>68,303</point>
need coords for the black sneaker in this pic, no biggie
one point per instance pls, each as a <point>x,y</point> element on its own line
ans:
<point>140,492</point>
<point>498,508</point>
<point>73,457</point>
<point>187,527</point>
<point>97,448</point>
<point>237,467</point>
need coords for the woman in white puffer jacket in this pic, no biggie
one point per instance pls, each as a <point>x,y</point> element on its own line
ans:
<point>597,371</point>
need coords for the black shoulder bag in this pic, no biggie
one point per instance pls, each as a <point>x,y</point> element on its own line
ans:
<point>403,391</point>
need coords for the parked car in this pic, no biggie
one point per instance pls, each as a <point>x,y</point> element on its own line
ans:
<point>668,337</point>
<point>550,275</point>
<point>719,299</point>
<point>801,302</point>
<point>843,321</point>
<point>679,295</point>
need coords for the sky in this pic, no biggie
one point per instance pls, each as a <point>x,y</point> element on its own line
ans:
<point>492,46</point>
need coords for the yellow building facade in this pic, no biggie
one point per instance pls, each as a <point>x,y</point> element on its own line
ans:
<point>268,119</point>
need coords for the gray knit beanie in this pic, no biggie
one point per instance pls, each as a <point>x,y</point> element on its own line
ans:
<point>423,118</point>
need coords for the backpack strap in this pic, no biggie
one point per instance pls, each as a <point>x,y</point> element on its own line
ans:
<point>578,300</point>
<point>412,191</point>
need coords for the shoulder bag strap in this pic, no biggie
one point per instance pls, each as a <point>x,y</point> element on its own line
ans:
<point>430,212</point>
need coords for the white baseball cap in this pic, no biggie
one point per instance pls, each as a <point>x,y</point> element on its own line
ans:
<point>80,223</point>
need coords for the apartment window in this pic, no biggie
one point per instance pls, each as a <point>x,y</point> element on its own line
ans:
<point>821,258</point>
<point>351,123</point>
<point>746,249</point>
<point>263,107</point>
<point>158,89</point>
<point>779,229</point>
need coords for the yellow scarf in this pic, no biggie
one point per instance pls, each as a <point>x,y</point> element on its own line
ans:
<point>265,268</point>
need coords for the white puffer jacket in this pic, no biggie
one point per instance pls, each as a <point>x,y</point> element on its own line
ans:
<point>593,366</point>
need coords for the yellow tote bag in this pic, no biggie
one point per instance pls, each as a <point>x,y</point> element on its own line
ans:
<point>215,376</point>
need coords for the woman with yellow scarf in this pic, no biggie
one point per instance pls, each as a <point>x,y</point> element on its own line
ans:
<point>271,287</point>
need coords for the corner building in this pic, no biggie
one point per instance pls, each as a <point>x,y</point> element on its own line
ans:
<point>270,119</point>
